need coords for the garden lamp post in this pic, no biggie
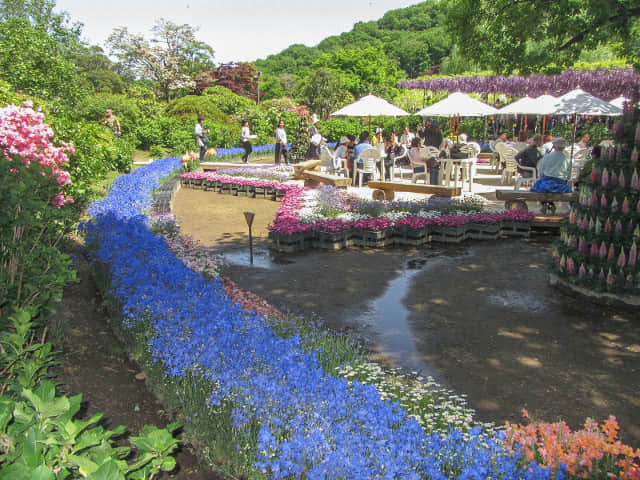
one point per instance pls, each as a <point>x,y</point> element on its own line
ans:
<point>257,79</point>
<point>248,216</point>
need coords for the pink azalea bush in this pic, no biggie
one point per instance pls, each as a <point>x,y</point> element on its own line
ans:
<point>24,134</point>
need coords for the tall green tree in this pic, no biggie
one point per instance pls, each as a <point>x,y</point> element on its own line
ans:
<point>172,59</point>
<point>363,71</point>
<point>323,91</point>
<point>530,35</point>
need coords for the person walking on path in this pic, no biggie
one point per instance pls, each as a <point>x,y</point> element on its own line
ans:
<point>313,153</point>
<point>202,141</point>
<point>112,122</point>
<point>245,137</point>
<point>281,143</point>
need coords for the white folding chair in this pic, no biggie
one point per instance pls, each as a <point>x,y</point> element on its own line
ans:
<point>396,168</point>
<point>508,157</point>
<point>369,158</point>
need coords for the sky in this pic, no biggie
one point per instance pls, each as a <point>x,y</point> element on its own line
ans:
<point>237,30</point>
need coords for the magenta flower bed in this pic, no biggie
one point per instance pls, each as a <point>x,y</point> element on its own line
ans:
<point>288,222</point>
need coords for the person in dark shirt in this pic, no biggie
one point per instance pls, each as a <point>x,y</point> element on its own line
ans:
<point>529,156</point>
<point>433,135</point>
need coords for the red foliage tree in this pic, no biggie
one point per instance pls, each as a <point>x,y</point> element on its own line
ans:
<point>240,78</point>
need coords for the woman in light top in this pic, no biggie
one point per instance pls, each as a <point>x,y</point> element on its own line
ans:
<point>245,136</point>
<point>281,143</point>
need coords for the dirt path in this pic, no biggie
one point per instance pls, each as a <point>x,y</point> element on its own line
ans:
<point>95,364</point>
<point>480,315</point>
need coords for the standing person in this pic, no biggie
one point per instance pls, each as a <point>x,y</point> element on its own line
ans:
<point>112,122</point>
<point>433,135</point>
<point>313,153</point>
<point>281,143</point>
<point>201,137</point>
<point>245,136</point>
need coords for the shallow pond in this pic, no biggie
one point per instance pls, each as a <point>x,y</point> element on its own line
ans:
<point>479,317</point>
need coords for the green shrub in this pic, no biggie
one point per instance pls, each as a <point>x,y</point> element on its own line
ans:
<point>190,106</point>
<point>33,270</point>
<point>93,108</point>
<point>227,101</point>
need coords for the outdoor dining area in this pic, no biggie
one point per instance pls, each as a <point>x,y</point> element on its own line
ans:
<point>454,163</point>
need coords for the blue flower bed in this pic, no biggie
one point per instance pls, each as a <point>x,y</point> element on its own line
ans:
<point>311,424</point>
<point>257,150</point>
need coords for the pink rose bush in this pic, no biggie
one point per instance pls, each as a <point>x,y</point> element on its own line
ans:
<point>24,134</point>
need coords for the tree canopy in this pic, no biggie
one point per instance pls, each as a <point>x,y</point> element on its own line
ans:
<point>528,35</point>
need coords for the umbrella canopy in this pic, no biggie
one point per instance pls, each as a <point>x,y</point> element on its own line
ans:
<point>525,106</point>
<point>619,102</point>
<point>582,103</point>
<point>370,106</point>
<point>546,104</point>
<point>458,104</point>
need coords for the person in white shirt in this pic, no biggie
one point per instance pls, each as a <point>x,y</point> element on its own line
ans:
<point>201,138</point>
<point>341,152</point>
<point>245,136</point>
<point>406,137</point>
<point>281,143</point>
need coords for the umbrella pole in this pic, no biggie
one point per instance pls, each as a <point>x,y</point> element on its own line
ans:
<point>573,139</point>
<point>544,123</point>
<point>526,117</point>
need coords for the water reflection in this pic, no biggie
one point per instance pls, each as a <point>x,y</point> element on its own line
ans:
<point>262,258</point>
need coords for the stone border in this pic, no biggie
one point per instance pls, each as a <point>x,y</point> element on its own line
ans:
<point>601,298</point>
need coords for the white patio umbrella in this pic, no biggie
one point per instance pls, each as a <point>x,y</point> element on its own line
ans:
<point>578,102</point>
<point>620,101</point>
<point>370,106</point>
<point>526,105</point>
<point>457,105</point>
<point>546,104</point>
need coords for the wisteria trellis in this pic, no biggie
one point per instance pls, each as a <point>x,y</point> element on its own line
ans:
<point>606,84</point>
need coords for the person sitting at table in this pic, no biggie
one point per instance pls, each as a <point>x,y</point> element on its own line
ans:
<point>584,141</point>
<point>501,138</point>
<point>521,142</point>
<point>341,152</point>
<point>421,164</point>
<point>554,170</point>
<point>406,137</point>
<point>392,149</point>
<point>433,136</point>
<point>547,145</point>
<point>377,138</point>
<point>530,156</point>
<point>363,144</point>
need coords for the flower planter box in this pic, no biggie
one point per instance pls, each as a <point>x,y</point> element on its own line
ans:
<point>516,229</point>
<point>234,190</point>
<point>259,192</point>
<point>375,238</point>
<point>294,242</point>
<point>270,193</point>
<point>330,240</point>
<point>411,236</point>
<point>210,185</point>
<point>196,182</point>
<point>445,234</point>
<point>225,188</point>
<point>484,231</point>
<point>279,195</point>
<point>243,190</point>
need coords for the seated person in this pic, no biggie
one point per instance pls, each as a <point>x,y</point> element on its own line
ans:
<point>530,156</point>
<point>554,170</point>
<point>547,146</point>
<point>584,141</point>
<point>406,137</point>
<point>341,152</point>
<point>522,141</point>
<point>363,144</point>
<point>421,164</point>
<point>377,138</point>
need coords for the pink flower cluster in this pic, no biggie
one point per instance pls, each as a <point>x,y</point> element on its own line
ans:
<point>23,133</point>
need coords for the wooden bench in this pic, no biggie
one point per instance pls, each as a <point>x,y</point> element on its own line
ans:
<point>517,199</point>
<point>301,167</point>
<point>314,178</point>
<point>386,190</point>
